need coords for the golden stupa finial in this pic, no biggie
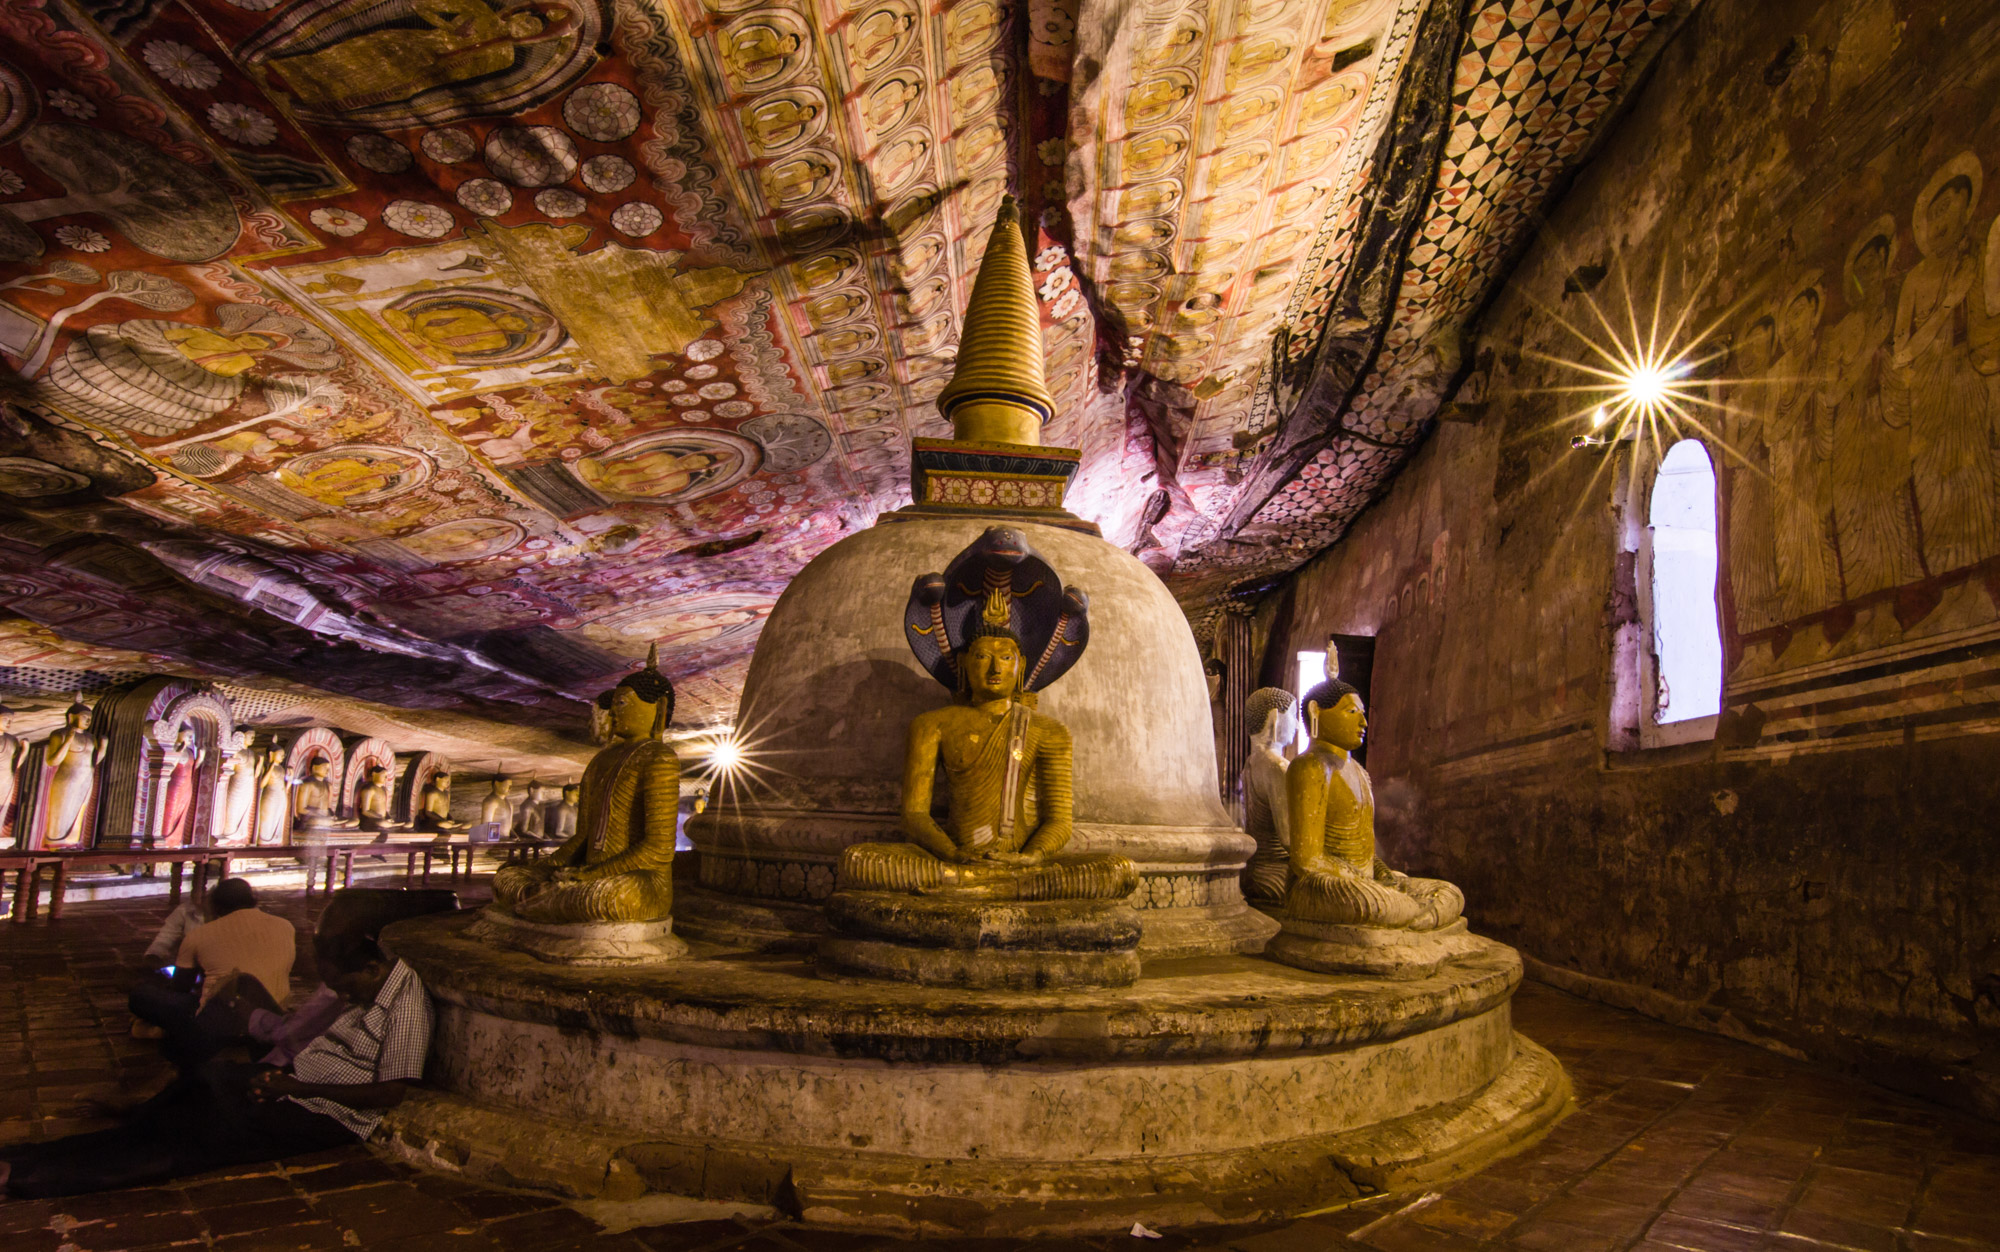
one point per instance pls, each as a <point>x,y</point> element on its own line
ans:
<point>997,393</point>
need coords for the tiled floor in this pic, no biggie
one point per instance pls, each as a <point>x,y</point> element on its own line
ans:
<point>1681,1141</point>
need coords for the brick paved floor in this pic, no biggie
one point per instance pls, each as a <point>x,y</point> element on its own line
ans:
<point>1681,1141</point>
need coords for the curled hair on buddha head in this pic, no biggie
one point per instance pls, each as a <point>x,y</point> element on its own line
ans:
<point>1329,693</point>
<point>650,685</point>
<point>1263,702</point>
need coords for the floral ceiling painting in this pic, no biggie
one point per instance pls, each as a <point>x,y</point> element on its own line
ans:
<point>448,353</point>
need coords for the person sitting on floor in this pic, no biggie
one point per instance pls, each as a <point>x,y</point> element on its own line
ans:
<point>229,1113</point>
<point>244,952</point>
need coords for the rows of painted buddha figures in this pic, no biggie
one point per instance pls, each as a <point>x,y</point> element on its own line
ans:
<point>162,763</point>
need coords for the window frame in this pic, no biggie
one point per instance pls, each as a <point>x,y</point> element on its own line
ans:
<point>1652,732</point>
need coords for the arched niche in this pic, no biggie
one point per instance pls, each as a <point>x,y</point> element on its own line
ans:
<point>363,755</point>
<point>316,743</point>
<point>418,770</point>
<point>164,739</point>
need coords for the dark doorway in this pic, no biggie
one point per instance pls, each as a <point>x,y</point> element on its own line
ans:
<point>1356,655</point>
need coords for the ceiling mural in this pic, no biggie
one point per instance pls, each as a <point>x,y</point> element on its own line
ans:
<point>448,353</point>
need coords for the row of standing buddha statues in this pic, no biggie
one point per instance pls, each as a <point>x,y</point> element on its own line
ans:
<point>51,793</point>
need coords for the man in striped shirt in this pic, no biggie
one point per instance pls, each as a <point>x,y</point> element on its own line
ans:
<point>233,1114</point>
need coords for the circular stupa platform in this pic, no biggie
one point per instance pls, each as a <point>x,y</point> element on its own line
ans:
<point>1215,1089</point>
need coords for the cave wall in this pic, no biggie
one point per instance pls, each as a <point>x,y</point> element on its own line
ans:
<point>1813,185</point>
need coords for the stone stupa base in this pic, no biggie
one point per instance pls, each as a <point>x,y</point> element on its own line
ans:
<point>1377,951</point>
<point>1213,1090</point>
<point>950,941</point>
<point>590,944</point>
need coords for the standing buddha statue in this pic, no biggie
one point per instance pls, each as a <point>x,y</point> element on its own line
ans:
<point>618,867</point>
<point>274,798</point>
<point>74,754</point>
<point>12,750</point>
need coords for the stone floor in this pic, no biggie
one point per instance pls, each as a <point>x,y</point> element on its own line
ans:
<point>1680,1141</point>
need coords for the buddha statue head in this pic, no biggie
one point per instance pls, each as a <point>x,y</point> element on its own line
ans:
<point>642,704</point>
<point>1272,714</point>
<point>318,768</point>
<point>991,666</point>
<point>78,716</point>
<point>376,775</point>
<point>1336,716</point>
<point>442,781</point>
<point>570,792</point>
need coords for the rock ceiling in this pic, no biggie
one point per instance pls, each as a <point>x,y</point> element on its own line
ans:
<point>446,353</point>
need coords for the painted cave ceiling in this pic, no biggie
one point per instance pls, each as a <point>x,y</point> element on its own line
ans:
<point>446,353</point>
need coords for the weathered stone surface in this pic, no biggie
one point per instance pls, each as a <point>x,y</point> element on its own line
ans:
<point>949,941</point>
<point>1374,950</point>
<point>1207,1007</point>
<point>1214,1089</point>
<point>588,944</point>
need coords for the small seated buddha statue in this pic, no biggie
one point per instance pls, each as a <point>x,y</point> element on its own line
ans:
<point>1272,714</point>
<point>371,802</point>
<point>618,866</point>
<point>496,811</point>
<point>984,894</point>
<point>313,802</point>
<point>562,818</point>
<point>1345,910</point>
<point>434,807</point>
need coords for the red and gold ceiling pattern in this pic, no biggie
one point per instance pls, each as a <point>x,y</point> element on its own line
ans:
<point>427,325</point>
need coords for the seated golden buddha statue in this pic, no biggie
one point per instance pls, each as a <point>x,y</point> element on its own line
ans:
<point>371,802</point>
<point>434,807</point>
<point>618,867</point>
<point>990,871</point>
<point>313,802</point>
<point>1341,895</point>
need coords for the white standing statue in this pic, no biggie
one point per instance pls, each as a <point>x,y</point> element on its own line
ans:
<point>74,754</point>
<point>1272,713</point>
<point>236,795</point>
<point>11,752</point>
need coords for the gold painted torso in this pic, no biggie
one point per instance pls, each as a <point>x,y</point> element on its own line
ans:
<point>1350,816</point>
<point>618,810</point>
<point>975,768</point>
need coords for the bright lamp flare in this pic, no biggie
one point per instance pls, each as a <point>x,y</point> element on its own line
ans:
<point>1646,387</point>
<point>725,756</point>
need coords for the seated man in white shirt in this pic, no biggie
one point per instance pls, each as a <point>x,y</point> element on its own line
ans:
<point>234,1114</point>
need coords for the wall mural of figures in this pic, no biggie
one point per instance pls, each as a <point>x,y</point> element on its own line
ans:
<point>1863,415</point>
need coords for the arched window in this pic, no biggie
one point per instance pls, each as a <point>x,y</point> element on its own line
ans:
<point>1684,659</point>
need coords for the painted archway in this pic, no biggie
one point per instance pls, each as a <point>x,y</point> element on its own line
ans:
<point>362,755</point>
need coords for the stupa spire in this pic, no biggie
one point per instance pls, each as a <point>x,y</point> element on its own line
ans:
<point>997,393</point>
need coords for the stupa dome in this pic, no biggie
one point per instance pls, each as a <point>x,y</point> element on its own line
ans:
<point>833,687</point>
